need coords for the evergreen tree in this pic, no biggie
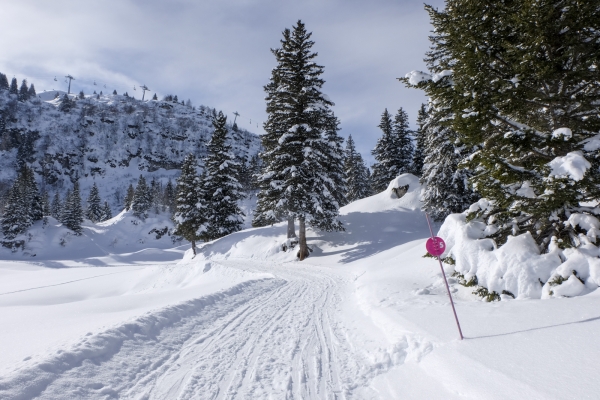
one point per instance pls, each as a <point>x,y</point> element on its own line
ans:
<point>15,219</point>
<point>169,197</point>
<point>31,92</point>
<point>72,216</point>
<point>129,197</point>
<point>510,86</point>
<point>220,185</point>
<point>154,97</point>
<point>24,91</point>
<point>142,199</point>
<point>32,196</point>
<point>300,125</point>
<point>56,207</point>
<point>155,195</point>
<point>3,82</point>
<point>81,95</point>
<point>94,210</point>
<point>189,213</point>
<point>66,104</point>
<point>106,212</point>
<point>445,184</point>
<point>63,209</point>
<point>46,210</point>
<point>114,92</point>
<point>419,154</point>
<point>357,180</point>
<point>14,88</point>
<point>393,151</point>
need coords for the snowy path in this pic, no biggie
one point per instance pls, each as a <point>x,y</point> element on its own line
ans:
<point>277,338</point>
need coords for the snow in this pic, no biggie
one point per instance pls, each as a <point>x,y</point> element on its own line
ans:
<point>416,77</point>
<point>573,166</point>
<point>365,316</point>
<point>564,133</point>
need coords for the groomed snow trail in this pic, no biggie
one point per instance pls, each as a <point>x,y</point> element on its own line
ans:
<point>279,338</point>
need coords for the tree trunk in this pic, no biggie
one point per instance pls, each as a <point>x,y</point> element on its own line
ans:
<point>291,229</point>
<point>194,247</point>
<point>303,251</point>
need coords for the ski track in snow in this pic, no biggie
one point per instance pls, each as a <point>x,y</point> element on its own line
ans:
<point>273,338</point>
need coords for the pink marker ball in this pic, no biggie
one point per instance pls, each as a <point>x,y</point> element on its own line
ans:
<point>435,246</point>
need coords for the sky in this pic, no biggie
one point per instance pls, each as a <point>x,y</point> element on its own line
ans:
<point>217,53</point>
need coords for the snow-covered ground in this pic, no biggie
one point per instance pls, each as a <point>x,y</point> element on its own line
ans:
<point>364,317</point>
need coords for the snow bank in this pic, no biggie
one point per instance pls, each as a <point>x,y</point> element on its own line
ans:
<point>517,268</point>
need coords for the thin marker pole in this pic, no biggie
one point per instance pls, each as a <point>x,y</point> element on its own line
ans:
<point>445,281</point>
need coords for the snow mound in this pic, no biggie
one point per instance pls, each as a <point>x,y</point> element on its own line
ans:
<point>388,200</point>
<point>517,268</point>
<point>573,165</point>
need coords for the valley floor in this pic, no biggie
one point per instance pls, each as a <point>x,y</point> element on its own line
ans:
<point>364,317</point>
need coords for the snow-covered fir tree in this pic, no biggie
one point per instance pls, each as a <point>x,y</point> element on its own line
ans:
<point>66,104</point>
<point>295,183</point>
<point>528,99</point>
<point>56,206</point>
<point>14,87</point>
<point>15,219</point>
<point>106,212</point>
<point>142,199</point>
<point>220,185</point>
<point>3,82</point>
<point>393,151</point>
<point>446,189</point>
<point>24,91</point>
<point>189,215</point>
<point>72,215</point>
<point>419,136</point>
<point>46,209</point>
<point>31,92</point>
<point>94,210</point>
<point>169,197</point>
<point>358,184</point>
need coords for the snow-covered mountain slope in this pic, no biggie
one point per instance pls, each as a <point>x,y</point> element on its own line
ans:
<point>106,139</point>
<point>365,316</point>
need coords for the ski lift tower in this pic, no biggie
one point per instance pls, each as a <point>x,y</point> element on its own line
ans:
<point>70,78</point>
<point>236,115</point>
<point>144,90</point>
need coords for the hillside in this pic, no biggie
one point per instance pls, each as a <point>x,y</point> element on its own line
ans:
<point>365,316</point>
<point>107,139</point>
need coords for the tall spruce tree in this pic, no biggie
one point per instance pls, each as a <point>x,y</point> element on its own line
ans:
<point>189,210</point>
<point>393,151</point>
<point>106,212</point>
<point>31,92</point>
<point>295,183</point>
<point>24,91</point>
<point>94,211</point>
<point>15,219</point>
<point>3,82</point>
<point>72,215</point>
<point>14,87</point>
<point>142,199</point>
<point>420,138</point>
<point>56,206</point>
<point>445,184</point>
<point>46,210</point>
<point>220,185</point>
<point>358,185</point>
<point>514,74</point>
<point>169,197</point>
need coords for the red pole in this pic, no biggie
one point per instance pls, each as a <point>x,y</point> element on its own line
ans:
<point>445,281</point>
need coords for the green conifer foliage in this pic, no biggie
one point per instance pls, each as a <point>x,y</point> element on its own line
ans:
<point>129,197</point>
<point>513,73</point>
<point>31,92</point>
<point>3,82</point>
<point>24,91</point>
<point>72,215</point>
<point>393,151</point>
<point>220,185</point>
<point>94,210</point>
<point>14,88</point>
<point>56,206</point>
<point>358,185</point>
<point>420,138</point>
<point>300,133</point>
<point>142,199</point>
<point>189,215</point>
